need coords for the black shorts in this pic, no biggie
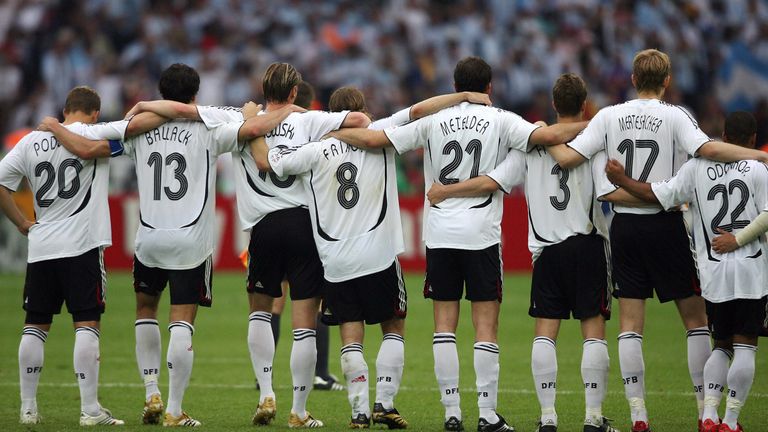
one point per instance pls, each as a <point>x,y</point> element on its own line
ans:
<point>373,298</point>
<point>737,317</point>
<point>282,247</point>
<point>449,269</point>
<point>80,281</point>
<point>571,276</point>
<point>190,286</point>
<point>652,252</point>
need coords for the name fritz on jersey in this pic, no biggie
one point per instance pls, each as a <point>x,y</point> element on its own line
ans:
<point>168,133</point>
<point>337,149</point>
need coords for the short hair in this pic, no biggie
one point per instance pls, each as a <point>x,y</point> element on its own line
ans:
<point>472,74</point>
<point>569,94</point>
<point>83,99</point>
<point>347,98</point>
<point>279,80</point>
<point>739,127</point>
<point>305,95</point>
<point>650,68</point>
<point>179,83</point>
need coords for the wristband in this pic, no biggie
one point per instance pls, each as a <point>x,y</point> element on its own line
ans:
<point>116,148</point>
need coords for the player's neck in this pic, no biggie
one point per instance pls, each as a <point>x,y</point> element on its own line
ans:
<point>650,95</point>
<point>274,106</point>
<point>78,117</point>
<point>569,119</point>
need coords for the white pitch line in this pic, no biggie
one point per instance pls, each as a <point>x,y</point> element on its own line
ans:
<point>402,388</point>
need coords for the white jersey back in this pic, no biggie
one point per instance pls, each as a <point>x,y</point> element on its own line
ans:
<point>650,137</point>
<point>561,202</point>
<point>726,196</point>
<point>462,142</point>
<point>353,204</point>
<point>176,172</point>
<point>259,194</point>
<point>70,194</point>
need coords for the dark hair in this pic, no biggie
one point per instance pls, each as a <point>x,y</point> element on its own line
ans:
<point>305,95</point>
<point>279,80</point>
<point>472,74</point>
<point>739,127</point>
<point>83,99</point>
<point>569,94</point>
<point>179,83</point>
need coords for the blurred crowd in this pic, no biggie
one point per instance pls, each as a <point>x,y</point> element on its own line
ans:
<point>397,51</point>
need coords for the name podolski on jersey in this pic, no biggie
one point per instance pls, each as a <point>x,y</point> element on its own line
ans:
<point>45,144</point>
<point>283,129</point>
<point>338,149</point>
<point>168,133</point>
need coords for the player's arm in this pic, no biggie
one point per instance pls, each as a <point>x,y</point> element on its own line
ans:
<point>362,138</point>
<point>144,122</point>
<point>556,134</point>
<point>474,187</point>
<point>565,156</point>
<point>11,210</point>
<point>260,153</point>
<point>437,103</point>
<point>259,125</point>
<point>166,108</point>
<point>622,197</point>
<point>355,120</point>
<point>727,242</point>
<point>617,176</point>
<point>724,152</point>
<point>79,145</point>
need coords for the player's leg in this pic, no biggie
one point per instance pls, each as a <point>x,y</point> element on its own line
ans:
<point>324,379</point>
<point>631,324</point>
<point>278,305</point>
<point>715,382</point>
<point>389,365</point>
<point>444,284</point>
<point>148,284</point>
<point>261,347</point>
<point>355,371</point>
<point>594,371</point>
<point>303,352</point>
<point>544,369</point>
<point>693,314</point>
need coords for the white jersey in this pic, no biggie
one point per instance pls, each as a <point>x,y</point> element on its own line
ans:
<point>726,196</point>
<point>561,202</point>
<point>462,142</point>
<point>176,171</point>
<point>70,194</point>
<point>353,204</point>
<point>652,139</point>
<point>258,193</point>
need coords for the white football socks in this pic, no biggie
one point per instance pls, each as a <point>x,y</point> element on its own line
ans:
<point>594,374</point>
<point>86,362</point>
<point>487,379</point>
<point>261,346</point>
<point>389,369</point>
<point>633,373</point>
<point>447,372</point>
<point>180,358</point>
<point>303,360</point>
<point>544,368</point>
<point>740,377</point>
<point>356,373</point>
<point>699,348</point>
<point>148,349</point>
<point>715,381</point>
<point>31,350</point>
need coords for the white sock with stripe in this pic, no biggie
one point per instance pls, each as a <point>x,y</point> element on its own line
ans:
<point>715,381</point>
<point>355,371</point>
<point>86,362</point>
<point>261,346</point>
<point>303,360</point>
<point>740,377</point>
<point>594,374</point>
<point>389,369</point>
<point>544,368</point>
<point>633,373</point>
<point>447,372</point>
<point>31,354</point>
<point>148,346</point>
<point>487,379</point>
<point>699,349</point>
<point>180,358</point>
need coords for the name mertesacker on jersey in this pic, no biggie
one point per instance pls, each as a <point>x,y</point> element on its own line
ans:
<point>168,133</point>
<point>640,122</point>
<point>456,124</point>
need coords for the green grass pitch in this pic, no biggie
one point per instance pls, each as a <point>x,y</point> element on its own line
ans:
<point>222,394</point>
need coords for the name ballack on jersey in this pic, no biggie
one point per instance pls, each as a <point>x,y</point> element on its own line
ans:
<point>168,133</point>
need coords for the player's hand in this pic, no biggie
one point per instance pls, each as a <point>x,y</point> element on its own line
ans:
<point>47,123</point>
<point>725,242</point>
<point>436,194</point>
<point>615,171</point>
<point>250,109</point>
<point>541,123</point>
<point>24,227</point>
<point>138,108</point>
<point>478,98</point>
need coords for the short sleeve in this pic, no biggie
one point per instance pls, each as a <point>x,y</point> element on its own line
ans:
<point>603,186</point>
<point>687,132</point>
<point>516,130</point>
<point>104,131</point>
<point>224,137</point>
<point>679,189</point>
<point>12,168</point>
<point>397,119</point>
<point>592,139</point>
<point>293,160</point>
<point>761,186</point>
<point>409,136</point>
<point>213,116</point>
<point>510,172</point>
<point>321,122</point>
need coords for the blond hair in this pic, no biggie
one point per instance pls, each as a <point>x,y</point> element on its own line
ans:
<point>650,68</point>
<point>279,80</point>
